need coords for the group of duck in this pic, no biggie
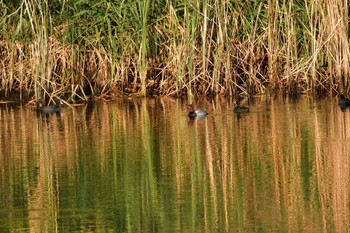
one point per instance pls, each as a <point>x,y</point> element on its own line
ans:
<point>192,113</point>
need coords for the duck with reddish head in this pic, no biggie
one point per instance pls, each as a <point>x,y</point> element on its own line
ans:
<point>192,113</point>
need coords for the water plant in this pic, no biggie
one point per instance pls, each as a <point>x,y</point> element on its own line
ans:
<point>77,49</point>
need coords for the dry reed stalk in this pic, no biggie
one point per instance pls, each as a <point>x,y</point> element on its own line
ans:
<point>193,48</point>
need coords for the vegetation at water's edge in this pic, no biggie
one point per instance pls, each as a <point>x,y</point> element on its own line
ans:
<point>76,49</point>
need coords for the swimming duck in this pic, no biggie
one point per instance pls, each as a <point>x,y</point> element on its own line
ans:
<point>195,113</point>
<point>240,109</point>
<point>343,101</point>
<point>50,109</point>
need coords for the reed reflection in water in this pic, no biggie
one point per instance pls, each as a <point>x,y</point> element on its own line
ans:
<point>144,166</point>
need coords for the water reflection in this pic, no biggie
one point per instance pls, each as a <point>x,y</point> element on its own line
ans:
<point>144,166</point>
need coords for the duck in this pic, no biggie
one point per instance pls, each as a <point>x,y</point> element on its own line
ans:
<point>343,101</point>
<point>240,109</point>
<point>50,109</point>
<point>192,113</point>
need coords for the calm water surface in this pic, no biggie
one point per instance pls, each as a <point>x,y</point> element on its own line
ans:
<point>143,166</point>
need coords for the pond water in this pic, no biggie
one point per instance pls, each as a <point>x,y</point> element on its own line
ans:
<point>144,166</point>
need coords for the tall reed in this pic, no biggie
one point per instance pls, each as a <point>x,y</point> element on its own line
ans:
<point>74,50</point>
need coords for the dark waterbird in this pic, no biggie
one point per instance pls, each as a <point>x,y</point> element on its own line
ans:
<point>192,113</point>
<point>240,109</point>
<point>343,101</point>
<point>50,109</point>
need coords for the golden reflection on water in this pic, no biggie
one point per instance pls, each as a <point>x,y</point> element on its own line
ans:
<point>137,165</point>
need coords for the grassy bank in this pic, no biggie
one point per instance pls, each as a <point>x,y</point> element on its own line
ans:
<point>77,49</point>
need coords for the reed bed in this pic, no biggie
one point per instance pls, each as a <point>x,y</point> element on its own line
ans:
<point>74,50</point>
